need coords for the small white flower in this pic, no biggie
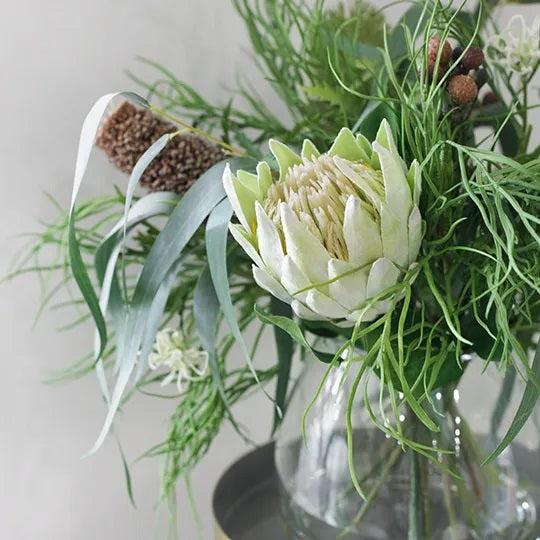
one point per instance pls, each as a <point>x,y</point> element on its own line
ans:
<point>519,45</point>
<point>185,363</point>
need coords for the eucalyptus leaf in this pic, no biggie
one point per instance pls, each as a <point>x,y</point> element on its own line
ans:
<point>184,221</point>
<point>216,247</point>
<point>155,316</point>
<point>106,257</point>
<point>86,143</point>
<point>206,312</point>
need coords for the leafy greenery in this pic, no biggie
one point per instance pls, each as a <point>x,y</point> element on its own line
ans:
<point>475,287</point>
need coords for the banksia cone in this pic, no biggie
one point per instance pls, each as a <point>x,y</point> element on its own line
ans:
<point>481,77</point>
<point>129,132</point>
<point>490,98</point>
<point>462,89</point>
<point>473,58</point>
<point>433,51</point>
<point>437,75</point>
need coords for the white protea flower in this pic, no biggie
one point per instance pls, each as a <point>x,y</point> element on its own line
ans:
<point>185,363</point>
<point>335,230</point>
<point>519,45</point>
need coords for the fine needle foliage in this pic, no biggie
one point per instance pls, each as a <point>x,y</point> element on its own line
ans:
<point>146,263</point>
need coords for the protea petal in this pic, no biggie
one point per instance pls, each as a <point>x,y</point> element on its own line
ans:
<point>365,145</point>
<point>385,138</point>
<point>360,180</point>
<point>309,150</point>
<point>395,237</point>
<point>269,241</point>
<point>361,233</point>
<point>350,287</point>
<point>305,249</point>
<point>242,199</point>
<point>250,182</point>
<point>415,234</point>
<point>270,284</point>
<point>383,274</point>
<point>322,304</point>
<point>346,146</point>
<point>240,235</point>
<point>264,177</point>
<point>414,180</point>
<point>396,187</point>
<point>294,280</point>
<point>305,313</point>
<point>228,186</point>
<point>363,315</point>
<point>285,157</point>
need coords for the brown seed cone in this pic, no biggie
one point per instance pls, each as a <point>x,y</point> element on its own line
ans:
<point>431,75</point>
<point>462,89</point>
<point>490,98</point>
<point>433,51</point>
<point>473,58</point>
<point>129,131</point>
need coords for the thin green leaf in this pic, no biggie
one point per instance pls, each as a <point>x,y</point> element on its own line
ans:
<point>291,328</point>
<point>127,474</point>
<point>528,402</point>
<point>503,400</point>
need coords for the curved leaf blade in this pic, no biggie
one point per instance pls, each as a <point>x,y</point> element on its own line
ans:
<point>86,144</point>
<point>186,218</point>
<point>526,406</point>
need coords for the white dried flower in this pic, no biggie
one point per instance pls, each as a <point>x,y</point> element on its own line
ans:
<point>336,230</point>
<point>519,45</point>
<point>185,363</point>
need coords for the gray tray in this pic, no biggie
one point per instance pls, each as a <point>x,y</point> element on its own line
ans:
<point>246,499</point>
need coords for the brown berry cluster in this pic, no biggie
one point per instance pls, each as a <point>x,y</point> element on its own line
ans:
<point>464,67</point>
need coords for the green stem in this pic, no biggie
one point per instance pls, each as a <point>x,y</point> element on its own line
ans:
<point>447,491</point>
<point>527,129</point>
<point>372,494</point>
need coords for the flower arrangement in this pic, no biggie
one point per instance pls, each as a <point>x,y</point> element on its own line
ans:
<point>374,217</point>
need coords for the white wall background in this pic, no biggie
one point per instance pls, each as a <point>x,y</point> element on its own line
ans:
<point>56,58</point>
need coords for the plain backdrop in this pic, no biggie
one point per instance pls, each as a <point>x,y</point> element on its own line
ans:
<point>56,58</point>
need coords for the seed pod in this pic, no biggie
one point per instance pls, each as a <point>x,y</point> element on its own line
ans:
<point>481,77</point>
<point>433,51</point>
<point>462,89</point>
<point>458,69</point>
<point>457,52</point>
<point>437,76</point>
<point>474,58</point>
<point>490,98</point>
<point>129,131</point>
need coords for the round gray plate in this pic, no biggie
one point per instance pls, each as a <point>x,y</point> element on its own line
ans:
<point>246,499</point>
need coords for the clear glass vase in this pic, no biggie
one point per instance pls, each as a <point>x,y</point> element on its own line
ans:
<point>446,495</point>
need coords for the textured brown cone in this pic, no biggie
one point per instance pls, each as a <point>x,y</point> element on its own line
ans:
<point>128,132</point>
<point>433,51</point>
<point>462,89</point>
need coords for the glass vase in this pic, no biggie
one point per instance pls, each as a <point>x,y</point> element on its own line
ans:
<point>447,494</point>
